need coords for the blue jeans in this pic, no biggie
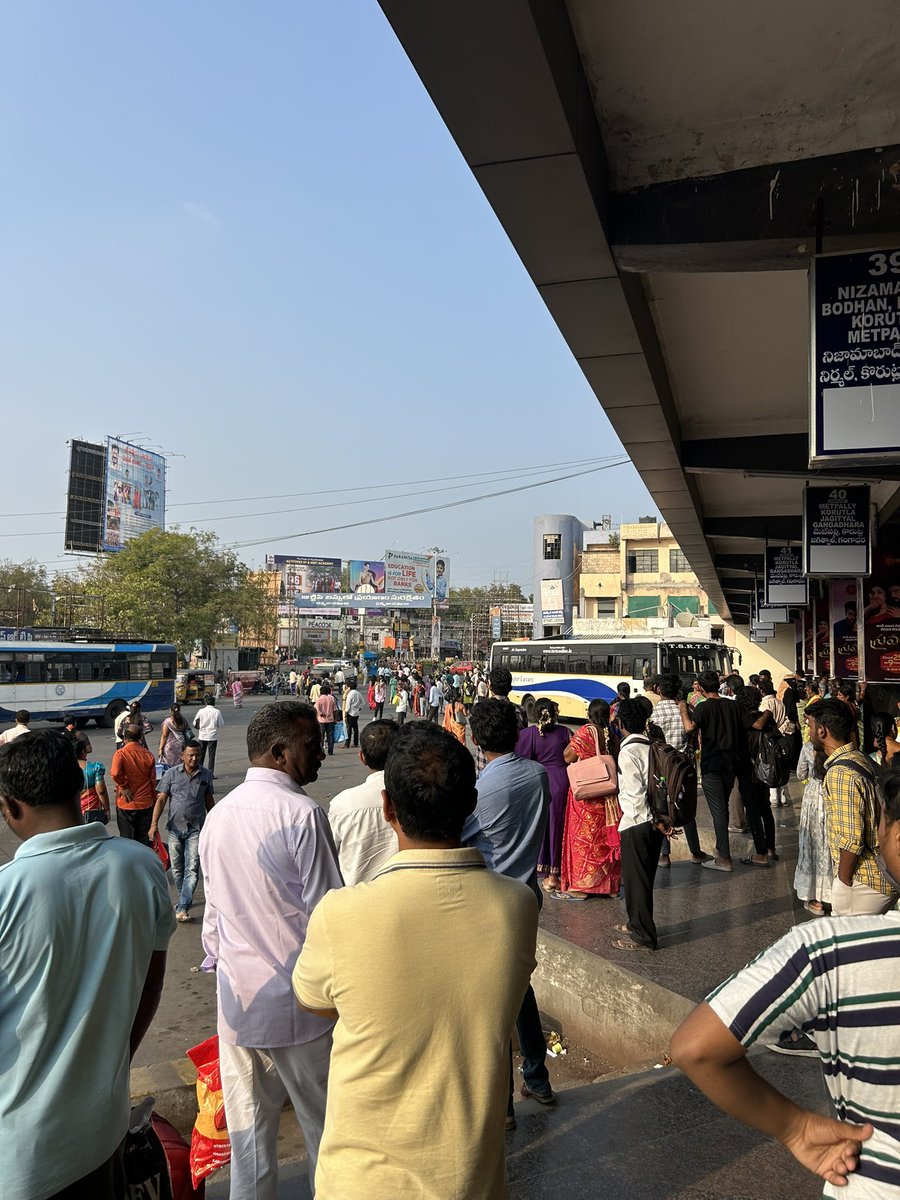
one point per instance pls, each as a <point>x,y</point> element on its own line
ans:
<point>184,852</point>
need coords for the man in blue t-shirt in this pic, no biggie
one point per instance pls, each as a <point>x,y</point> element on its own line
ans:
<point>85,920</point>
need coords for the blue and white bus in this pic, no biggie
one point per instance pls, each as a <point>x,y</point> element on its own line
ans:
<point>90,679</point>
<point>574,671</point>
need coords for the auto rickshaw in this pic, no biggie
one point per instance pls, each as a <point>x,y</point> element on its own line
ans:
<point>192,686</point>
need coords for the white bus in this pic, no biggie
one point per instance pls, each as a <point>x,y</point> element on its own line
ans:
<point>574,671</point>
<point>89,679</point>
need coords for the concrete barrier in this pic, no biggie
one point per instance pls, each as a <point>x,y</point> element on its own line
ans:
<point>625,1020</point>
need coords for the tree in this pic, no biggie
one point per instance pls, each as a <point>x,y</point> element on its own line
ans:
<point>25,595</point>
<point>177,587</point>
<point>465,601</point>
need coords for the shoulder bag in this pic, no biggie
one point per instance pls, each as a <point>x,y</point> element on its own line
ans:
<point>593,778</point>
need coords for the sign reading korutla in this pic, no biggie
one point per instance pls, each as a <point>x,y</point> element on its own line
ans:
<point>855,357</point>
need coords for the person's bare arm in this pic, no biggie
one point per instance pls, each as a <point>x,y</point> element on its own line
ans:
<point>161,798</point>
<point>687,721</point>
<point>102,794</point>
<point>569,754</point>
<point>150,997</point>
<point>713,1058</point>
<point>765,718</point>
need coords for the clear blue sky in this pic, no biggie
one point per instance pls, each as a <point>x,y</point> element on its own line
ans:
<point>246,234</point>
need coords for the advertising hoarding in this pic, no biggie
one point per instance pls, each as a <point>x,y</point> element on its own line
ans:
<point>85,501</point>
<point>881,618</point>
<point>855,357</point>
<point>552,610</point>
<point>845,640</point>
<point>437,581</point>
<point>135,499</point>
<point>305,576</point>
<point>366,579</point>
<point>406,572</point>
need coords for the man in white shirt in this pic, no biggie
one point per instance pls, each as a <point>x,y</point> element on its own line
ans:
<point>640,835</point>
<point>352,709</point>
<point>435,702</point>
<point>292,682</point>
<point>268,859</point>
<point>23,719</point>
<point>363,838</point>
<point>208,722</point>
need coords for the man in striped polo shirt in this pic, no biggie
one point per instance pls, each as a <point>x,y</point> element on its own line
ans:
<point>838,980</point>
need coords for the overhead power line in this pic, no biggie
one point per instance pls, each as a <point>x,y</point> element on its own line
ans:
<point>525,487</point>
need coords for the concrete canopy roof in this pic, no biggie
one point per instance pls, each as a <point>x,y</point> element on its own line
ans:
<point>664,172</point>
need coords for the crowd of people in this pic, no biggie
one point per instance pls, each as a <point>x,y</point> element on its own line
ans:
<point>336,992</point>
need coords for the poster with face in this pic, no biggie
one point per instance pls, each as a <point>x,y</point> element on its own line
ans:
<point>844,612</point>
<point>822,636</point>
<point>881,617</point>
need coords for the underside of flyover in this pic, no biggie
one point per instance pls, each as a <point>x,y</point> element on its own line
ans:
<point>665,172</point>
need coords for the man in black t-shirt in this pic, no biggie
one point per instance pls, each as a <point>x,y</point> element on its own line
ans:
<point>723,752</point>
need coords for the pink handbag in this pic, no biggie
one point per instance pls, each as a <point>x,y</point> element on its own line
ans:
<point>593,778</point>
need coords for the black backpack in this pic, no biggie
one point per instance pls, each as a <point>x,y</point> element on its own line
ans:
<point>671,783</point>
<point>773,758</point>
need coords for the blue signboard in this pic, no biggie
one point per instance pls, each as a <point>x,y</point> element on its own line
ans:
<point>855,357</point>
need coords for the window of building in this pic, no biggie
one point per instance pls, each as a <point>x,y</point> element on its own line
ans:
<point>642,562</point>
<point>606,606</point>
<point>678,561</point>
<point>643,606</point>
<point>552,545</point>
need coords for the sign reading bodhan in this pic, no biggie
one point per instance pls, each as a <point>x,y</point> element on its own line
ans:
<point>836,531</point>
<point>785,581</point>
<point>854,357</point>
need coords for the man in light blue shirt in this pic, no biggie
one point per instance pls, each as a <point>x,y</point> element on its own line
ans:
<point>508,826</point>
<point>85,919</point>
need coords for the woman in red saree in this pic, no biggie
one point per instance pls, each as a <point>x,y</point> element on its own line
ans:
<point>591,863</point>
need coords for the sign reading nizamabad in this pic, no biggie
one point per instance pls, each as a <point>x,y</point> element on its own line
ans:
<point>855,357</point>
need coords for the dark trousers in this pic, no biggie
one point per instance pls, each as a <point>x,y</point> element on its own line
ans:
<point>379,710</point>
<point>327,729</point>
<point>755,796</point>
<point>691,836</point>
<point>533,1045</point>
<point>717,787</point>
<point>401,717</point>
<point>640,847</point>
<point>134,823</point>
<point>433,713</point>
<point>210,749</point>
<point>106,1182</point>
<point>352,724</point>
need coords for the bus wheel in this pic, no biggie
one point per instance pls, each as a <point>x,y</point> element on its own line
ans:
<point>112,711</point>
<point>528,705</point>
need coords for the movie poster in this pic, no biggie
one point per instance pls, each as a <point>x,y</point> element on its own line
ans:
<point>135,493</point>
<point>822,636</point>
<point>881,618</point>
<point>845,651</point>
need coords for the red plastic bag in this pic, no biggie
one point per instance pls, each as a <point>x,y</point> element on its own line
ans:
<point>210,1147</point>
<point>159,848</point>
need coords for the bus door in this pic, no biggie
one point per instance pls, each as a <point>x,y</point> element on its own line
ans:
<point>643,667</point>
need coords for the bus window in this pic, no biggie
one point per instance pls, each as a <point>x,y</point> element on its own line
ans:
<point>88,668</point>
<point>114,667</point>
<point>60,668</point>
<point>579,666</point>
<point>642,668</point>
<point>6,668</point>
<point>556,663</point>
<point>139,666</point>
<point>163,666</point>
<point>29,668</point>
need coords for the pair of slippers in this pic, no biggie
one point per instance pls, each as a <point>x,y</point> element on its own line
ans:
<point>627,942</point>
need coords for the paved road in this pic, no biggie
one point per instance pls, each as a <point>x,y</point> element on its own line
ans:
<point>187,1013</point>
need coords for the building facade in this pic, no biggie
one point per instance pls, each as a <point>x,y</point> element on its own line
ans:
<point>557,552</point>
<point>645,575</point>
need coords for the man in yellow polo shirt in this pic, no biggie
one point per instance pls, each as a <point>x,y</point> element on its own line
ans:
<point>425,968</point>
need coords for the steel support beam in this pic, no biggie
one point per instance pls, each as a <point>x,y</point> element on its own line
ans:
<point>781,528</point>
<point>759,217</point>
<point>768,455</point>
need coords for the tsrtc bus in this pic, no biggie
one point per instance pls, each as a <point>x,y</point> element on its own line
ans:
<point>89,679</point>
<point>573,671</point>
